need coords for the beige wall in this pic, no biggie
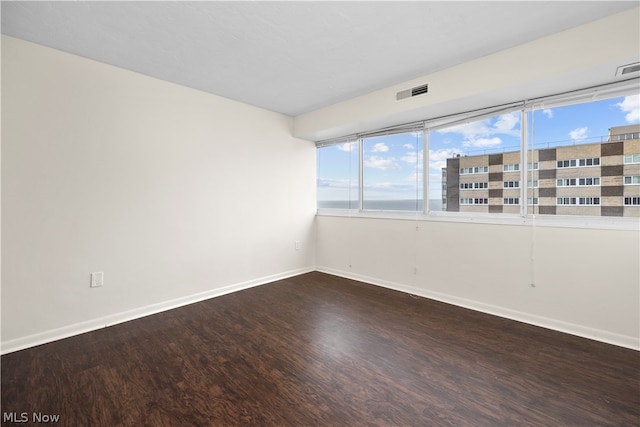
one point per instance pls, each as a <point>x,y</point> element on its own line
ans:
<point>586,280</point>
<point>507,76</point>
<point>176,195</point>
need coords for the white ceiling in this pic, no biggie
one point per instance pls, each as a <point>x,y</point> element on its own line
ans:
<point>292,57</point>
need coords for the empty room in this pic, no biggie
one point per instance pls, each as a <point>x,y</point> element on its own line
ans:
<point>302,213</point>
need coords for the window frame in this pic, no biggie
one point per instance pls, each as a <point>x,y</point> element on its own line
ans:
<point>618,89</point>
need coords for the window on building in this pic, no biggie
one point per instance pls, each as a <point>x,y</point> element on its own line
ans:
<point>631,158</point>
<point>589,181</point>
<point>392,176</point>
<point>511,201</point>
<point>474,201</point>
<point>632,201</point>
<point>589,200</point>
<point>632,180</point>
<point>511,184</point>
<point>567,201</point>
<point>625,136</point>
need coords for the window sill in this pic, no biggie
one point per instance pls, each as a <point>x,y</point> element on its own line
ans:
<point>559,221</point>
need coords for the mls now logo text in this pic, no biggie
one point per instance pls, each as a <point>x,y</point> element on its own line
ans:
<point>23,417</point>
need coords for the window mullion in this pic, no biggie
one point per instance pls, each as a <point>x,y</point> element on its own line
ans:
<point>360,174</point>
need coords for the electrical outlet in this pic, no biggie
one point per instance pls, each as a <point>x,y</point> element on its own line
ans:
<point>97,279</point>
<point>297,245</point>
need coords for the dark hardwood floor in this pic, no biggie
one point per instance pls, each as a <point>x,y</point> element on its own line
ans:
<point>317,350</point>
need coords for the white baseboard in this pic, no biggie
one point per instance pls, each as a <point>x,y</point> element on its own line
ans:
<point>125,316</point>
<point>544,322</point>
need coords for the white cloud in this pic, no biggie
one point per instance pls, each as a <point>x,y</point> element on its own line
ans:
<point>548,112</point>
<point>415,177</point>
<point>377,162</point>
<point>408,146</point>
<point>470,130</point>
<point>631,106</point>
<point>438,158</point>
<point>478,134</point>
<point>579,133</point>
<point>482,142</point>
<point>347,146</point>
<point>507,123</point>
<point>380,147</point>
<point>412,158</point>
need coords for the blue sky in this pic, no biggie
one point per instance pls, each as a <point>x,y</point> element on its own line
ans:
<point>393,164</point>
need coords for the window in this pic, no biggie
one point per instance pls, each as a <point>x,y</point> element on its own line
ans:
<point>594,161</point>
<point>571,182</point>
<point>475,169</point>
<point>567,163</point>
<point>632,201</point>
<point>589,200</point>
<point>337,176</point>
<point>392,172</point>
<point>474,150</point>
<point>577,156</point>
<point>566,182</point>
<point>566,201</point>
<point>473,185</point>
<point>631,158</point>
<point>474,201</point>
<point>625,136</point>
<point>589,181</point>
<point>631,180</point>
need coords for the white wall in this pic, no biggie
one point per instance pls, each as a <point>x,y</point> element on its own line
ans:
<point>587,281</point>
<point>175,194</point>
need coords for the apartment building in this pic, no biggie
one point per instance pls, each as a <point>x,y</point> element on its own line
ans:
<point>596,179</point>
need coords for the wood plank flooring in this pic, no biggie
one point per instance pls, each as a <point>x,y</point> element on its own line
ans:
<point>317,350</point>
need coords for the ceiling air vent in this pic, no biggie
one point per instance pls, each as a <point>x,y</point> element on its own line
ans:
<point>414,91</point>
<point>628,69</point>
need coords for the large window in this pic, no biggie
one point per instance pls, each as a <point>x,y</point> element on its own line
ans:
<point>392,172</point>
<point>582,156</point>
<point>483,151</point>
<point>337,179</point>
<point>564,155</point>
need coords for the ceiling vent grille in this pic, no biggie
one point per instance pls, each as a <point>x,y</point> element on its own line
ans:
<point>414,91</point>
<point>628,69</point>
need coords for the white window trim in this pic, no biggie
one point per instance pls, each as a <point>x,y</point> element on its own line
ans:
<point>612,90</point>
<point>629,197</point>
<point>631,183</point>
<point>632,162</point>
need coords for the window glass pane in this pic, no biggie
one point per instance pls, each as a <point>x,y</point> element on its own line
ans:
<point>485,151</point>
<point>583,153</point>
<point>392,172</point>
<point>337,176</point>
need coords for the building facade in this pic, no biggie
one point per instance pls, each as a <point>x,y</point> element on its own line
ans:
<point>597,179</point>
